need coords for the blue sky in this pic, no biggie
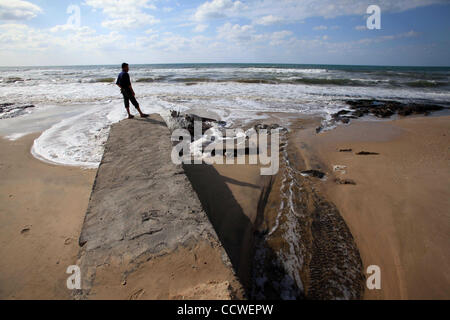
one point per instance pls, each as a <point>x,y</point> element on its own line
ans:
<point>37,32</point>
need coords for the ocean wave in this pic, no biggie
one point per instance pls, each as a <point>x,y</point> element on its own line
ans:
<point>103,80</point>
<point>145,80</point>
<point>426,84</point>
<point>335,82</point>
<point>12,80</point>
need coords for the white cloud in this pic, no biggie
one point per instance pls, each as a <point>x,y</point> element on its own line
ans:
<point>409,34</point>
<point>246,35</point>
<point>217,9</point>
<point>18,10</point>
<point>360,28</point>
<point>235,32</point>
<point>319,28</point>
<point>125,14</point>
<point>22,38</point>
<point>288,11</point>
<point>279,38</point>
<point>281,34</point>
<point>200,28</point>
<point>68,27</point>
<point>268,20</point>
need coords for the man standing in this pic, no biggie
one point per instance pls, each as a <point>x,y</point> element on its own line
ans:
<point>124,82</point>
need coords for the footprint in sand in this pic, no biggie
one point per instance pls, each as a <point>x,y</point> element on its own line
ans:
<point>26,230</point>
<point>137,295</point>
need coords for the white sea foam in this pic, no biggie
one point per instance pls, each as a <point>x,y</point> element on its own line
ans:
<point>16,136</point>
<point>79,140</point>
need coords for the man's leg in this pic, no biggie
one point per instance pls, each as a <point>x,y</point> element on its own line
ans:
<point>126,100</point>
<point>136,105</point>
<point>130,116</point>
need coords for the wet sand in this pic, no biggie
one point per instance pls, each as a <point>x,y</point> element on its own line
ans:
<point>398,209</point>
<point>42,208</point>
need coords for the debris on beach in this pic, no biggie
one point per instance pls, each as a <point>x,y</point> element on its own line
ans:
<point>340,168</point>
<point>220,135</point>
<point>313,173</point>
<point>366,153</point>
<point>187,121</point>
<point>25,230</point>
<point>344,181</point>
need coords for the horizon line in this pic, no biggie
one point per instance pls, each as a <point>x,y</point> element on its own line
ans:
<point>230,63</point>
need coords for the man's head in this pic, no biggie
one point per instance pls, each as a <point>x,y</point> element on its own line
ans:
<point>125,67</point>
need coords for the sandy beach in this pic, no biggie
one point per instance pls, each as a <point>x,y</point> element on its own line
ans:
<point>251,151</point>
<point>394,201</point>
<point>397,210</point>
<point>42,208</point>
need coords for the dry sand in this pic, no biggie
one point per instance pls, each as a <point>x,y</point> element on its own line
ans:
<point>42,208</point>
<point>398,211</point>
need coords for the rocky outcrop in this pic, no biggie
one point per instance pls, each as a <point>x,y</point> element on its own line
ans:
<point>11,110</point>
<point>304,249</point>
<point>378,108</point>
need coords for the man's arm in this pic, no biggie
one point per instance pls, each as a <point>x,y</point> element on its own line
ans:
<point>130,86</point>
<point>117,83</point>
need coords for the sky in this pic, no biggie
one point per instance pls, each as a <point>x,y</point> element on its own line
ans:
<point>91,32</point>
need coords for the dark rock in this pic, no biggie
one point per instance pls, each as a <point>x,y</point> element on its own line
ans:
<point>345,120</point>
<point>344,181</point>
<point>313,173</point>
<point>236,151</point>
<point>382,109</point>
<point>190,119</point>
<point>365,153</point>
<point>11,110</point>
<point>382,112</point>
<point>360,113</point>
<point>340,113</point>
<point>345,150</point>
<point>3,105</point>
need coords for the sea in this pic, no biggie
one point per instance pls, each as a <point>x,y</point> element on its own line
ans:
<point>76,105</point>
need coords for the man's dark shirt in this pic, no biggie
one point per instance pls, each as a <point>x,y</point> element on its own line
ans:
<point>124,80</point>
